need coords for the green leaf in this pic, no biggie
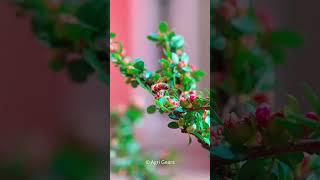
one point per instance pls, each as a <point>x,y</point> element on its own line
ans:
<point>294,128</point>
<point>245,25</point>
<point>190,139</point>
<point>173,116</point>
<point>153,37</point>
<point>91,58</point>
<point>94,13</point>
<point>292,159</point>
<point>175,58</point>
<point>293,104</point>
<point>139,64</point>
<point>76,32</point>
<point>173,125</point>
<point>198,74</point>
<point>284,172</point>
<point>315,162</point>
<point>222,151</point>
<point>134,84</point>
<point>152,109</point>
<point>165,63</point>
<point>163,27</point>
<point>253,169</point>
<point>177,42</point>
<point>79,70</point>
<point>134,114</point>
<point>112,35</point>
<point>312,98</point>
<point>303,120</point>
<point>185,57</point>
<point>289,39</point>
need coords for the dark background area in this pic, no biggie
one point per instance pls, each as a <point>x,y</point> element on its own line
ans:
<point>303,63</point>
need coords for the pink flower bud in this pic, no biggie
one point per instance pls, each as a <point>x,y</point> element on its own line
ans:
<point>192,97</point>
<point>312,115</point>
<point>260,98</point>
<point>217,142</point>
<point>263,114</point>
<point>182,64</point>
<point>179,52</point>
<point>220,130</point>
<point>193,67</point>
<point>182,98</point>
<point>231,121</point>
<point>114,47</point>
<point>124,52</point>
<point>126,60</point>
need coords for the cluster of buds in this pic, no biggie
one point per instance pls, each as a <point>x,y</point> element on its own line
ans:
<point>116,47</point>
<point>159,86</point>
<point>264,115</point>
<point>159,90</point>
<point>217,135</point>
<point>183,64</point>
<point>231,121</point>
<point>190,95</point>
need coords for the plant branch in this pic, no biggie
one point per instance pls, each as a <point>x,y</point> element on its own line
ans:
<point>306,145</point>
<point>198,109</point>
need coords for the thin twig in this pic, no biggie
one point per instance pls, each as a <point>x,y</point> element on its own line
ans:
<point>306,145</point>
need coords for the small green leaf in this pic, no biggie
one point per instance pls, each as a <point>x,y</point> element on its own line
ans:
<point>190,139</point>
<point>165,63</point>
<point>163,27</point>
<point>198,74</point>
<point>153,37</point>
<point>79,70</point>
<point>112,35</point>
<point>139,64</point>
<point>223,152</point>
<point>134,84</point>
<point>286,38</point>
<point>292,159</point>
<point>185,57</point>
<point>173,125</point>
<point>175,58</point>
<point>245,25</point>
<point>303,120</point>
<point>173,116</point>
<point>151,109</point>
<point>293,104</point>
<point>312,98</point>
<point>177,42</point>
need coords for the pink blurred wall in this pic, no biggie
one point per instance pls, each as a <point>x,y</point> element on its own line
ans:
<point>37,105</point>
<point>119,23</point>
<point>26,85</point>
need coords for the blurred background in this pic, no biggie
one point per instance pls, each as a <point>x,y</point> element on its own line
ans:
<point>302,64</point>
<point>133,21</point>
<point>51,127</point>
